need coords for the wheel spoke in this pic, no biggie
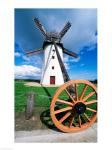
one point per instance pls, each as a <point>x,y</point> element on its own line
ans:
<point>83,92</point>
<point>79,119</point>
<point>91,102</point>
<point>88,96</point>
<point>65,117</point>
<point>87,117</point>
<point>62,110</point>
<point>76,92</point>
<point>90,109</point>
<point>70,95</point>
<point>64,102</point>
<point>71,120</point>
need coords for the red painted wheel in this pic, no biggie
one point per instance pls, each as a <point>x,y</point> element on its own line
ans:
<point>74,106</point>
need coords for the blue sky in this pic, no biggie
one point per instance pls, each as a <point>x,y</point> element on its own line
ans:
<point>81,38</point>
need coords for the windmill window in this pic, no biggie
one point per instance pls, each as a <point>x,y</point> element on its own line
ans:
<point>53,50</point>
<point>53,57</point>
<point>52,67</point>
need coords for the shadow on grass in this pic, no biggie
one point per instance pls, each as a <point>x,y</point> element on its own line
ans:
<point>47,121</point>
<point>47,93</point>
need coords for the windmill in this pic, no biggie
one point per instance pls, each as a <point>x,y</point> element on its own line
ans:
<point>53,70</point>
<point>78,109</point>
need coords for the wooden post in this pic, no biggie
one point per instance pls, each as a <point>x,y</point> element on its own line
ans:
<point>30,105</point>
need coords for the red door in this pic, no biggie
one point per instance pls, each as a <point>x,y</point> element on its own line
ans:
<point>52,79</point>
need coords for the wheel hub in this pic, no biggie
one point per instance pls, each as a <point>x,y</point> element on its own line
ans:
<point>79,108</point>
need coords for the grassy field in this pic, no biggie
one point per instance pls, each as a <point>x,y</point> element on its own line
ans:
<point>43,95</point>
<point>42,104</point>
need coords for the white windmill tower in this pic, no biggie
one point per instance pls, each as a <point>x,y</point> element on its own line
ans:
<point>53,70</point>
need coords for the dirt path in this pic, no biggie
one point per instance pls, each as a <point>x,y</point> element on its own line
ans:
<point>32,84</point>
<point>36,84</point>
<point>52,136</point>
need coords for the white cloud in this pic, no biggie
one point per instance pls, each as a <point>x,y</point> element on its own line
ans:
<point>83,29</point>
<point>66,65</point>
<point>82,65</point>
<point>68,59</point>
<point>25,58</point>
<point>17,54</point>
<point>74,59</point>
<point>26,70</point>
<point>33,60</point>
<point>91,48</point>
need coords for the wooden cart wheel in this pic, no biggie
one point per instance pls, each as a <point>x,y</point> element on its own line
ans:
<point>74,106</point>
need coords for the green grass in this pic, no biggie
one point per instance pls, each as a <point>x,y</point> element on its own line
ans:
<point>43,95</point>
<point>42,104</point>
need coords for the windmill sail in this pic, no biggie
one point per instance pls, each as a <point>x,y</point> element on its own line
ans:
<point>73,54</point>
<point>39,25</point>
<point>63,69</point>
<point>65,29</point>
<point>37,51</point>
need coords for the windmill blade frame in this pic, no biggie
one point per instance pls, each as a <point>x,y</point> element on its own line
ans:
<point>33,52</point>
<point>65,29</point>
<point>40,26</point>
<point>64,71</point>
<point>70,53</point>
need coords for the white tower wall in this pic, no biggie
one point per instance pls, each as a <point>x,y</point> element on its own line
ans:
<point>51,71</point>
